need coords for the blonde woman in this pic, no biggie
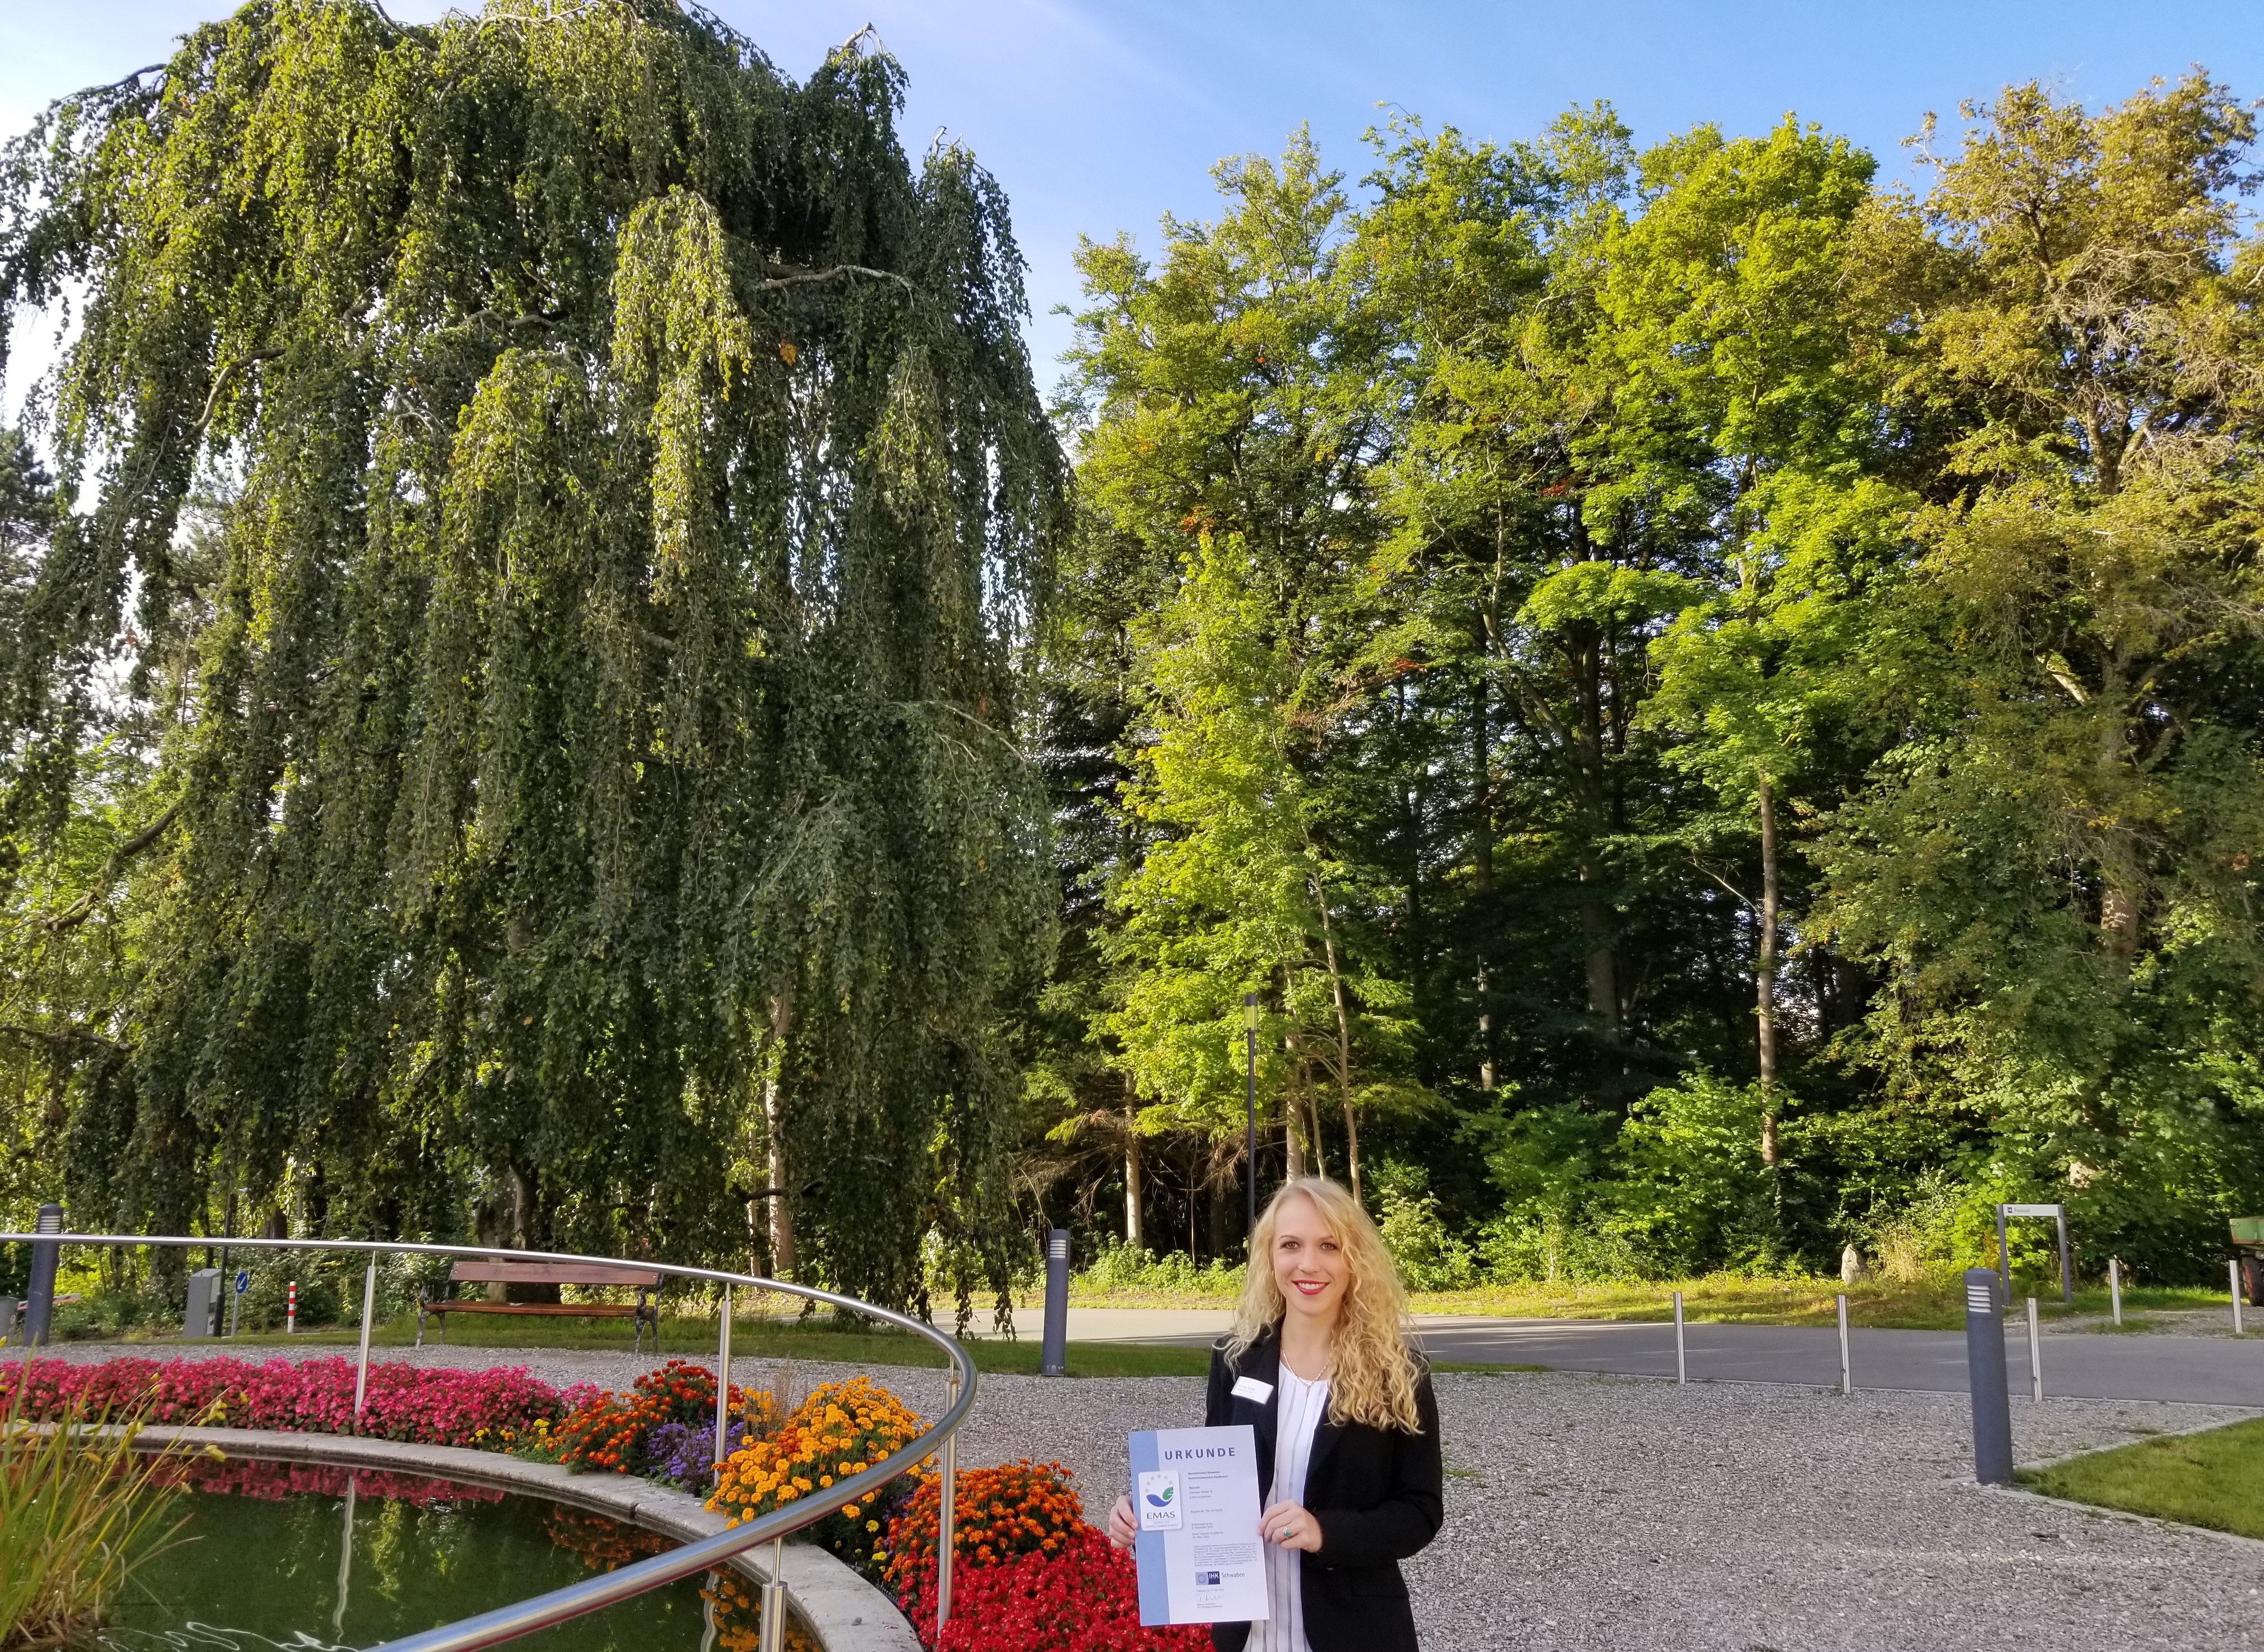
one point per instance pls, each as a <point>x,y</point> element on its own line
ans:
<point>1348,1431</point>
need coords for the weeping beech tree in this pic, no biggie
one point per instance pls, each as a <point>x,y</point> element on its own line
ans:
<point>546,516</point>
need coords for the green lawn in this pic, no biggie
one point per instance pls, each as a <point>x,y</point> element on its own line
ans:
<point>817,1341</point>
<point>1726,1298</point>
<point>2214,1479</point>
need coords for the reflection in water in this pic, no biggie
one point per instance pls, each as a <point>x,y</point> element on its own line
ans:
<point>306,1558</point>
<point>346,1566</point>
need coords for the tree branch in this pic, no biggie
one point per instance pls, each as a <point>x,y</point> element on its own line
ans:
<point>804,278</point>
<point>116,85</point>
<point>219,385</point>
<point>80,910</point>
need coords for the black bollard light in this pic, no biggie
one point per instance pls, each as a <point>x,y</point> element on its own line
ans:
<point>1055,1362</point>
<point>40,1306</point>
<point>1984,1370</point>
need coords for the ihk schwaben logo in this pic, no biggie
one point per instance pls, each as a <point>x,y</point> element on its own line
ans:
<point>1159,1500</point>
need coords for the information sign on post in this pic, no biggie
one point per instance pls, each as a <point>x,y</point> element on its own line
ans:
<point>235,1302</point>
<point>2057,1213</point>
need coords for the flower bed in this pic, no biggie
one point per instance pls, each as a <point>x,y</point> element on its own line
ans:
<point>1028,1571</point>
<point>1031,1575</point>
<point>841,1429</point>
<point>421,1405</point>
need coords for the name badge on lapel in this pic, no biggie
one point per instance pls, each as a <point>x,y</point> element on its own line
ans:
<point>1251,1388</point>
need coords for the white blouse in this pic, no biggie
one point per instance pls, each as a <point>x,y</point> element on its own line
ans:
<point>1300,1405</point>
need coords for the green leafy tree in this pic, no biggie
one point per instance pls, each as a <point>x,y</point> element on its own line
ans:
<point>569,502</point>
<point>2057,871</point>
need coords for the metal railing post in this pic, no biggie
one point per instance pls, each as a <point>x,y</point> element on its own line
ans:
<point>368,1307</point>
<point>1846,1372</point>
<point>723,1391</point>
<point>946,1509</point>
<point>1682,1366</point>
<point>773,1630</point>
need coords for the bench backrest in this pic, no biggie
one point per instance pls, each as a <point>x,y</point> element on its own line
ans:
<point>553,1273</point>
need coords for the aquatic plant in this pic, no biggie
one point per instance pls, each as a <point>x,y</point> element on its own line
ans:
<point>80,1510</point>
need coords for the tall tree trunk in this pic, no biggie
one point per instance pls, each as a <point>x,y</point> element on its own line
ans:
<point>1293,1124</point>
<point>1599,923</point>
<point>1135,1233</point>
<point>2123,896</point>
<point>1482,870</point>
<point>782,1201</point>
<point>1343,1045</point>
<point>1764,975</point>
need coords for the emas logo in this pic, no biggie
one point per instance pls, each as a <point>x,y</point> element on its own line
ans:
<point>1159,1500</point>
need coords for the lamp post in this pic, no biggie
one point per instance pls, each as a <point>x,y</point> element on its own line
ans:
<point>1250,1109</point>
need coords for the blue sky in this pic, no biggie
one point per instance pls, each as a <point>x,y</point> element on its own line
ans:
<point>1100,117</point>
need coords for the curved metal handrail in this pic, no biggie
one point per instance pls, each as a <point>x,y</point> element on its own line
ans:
<point>593,1593</point>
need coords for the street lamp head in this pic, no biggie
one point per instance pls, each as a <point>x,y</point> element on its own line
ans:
<point>1249,1011</point>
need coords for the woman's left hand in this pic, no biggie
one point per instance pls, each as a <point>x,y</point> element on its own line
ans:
<point>1291,1526</point>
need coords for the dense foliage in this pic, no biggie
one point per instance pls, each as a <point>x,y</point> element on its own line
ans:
<point>508,682</point>
<point>1715,704</point>
<point>1712,705</point>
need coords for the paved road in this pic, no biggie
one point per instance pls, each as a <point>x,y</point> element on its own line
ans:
<point>2202,1369</point>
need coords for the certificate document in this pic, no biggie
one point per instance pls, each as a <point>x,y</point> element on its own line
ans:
<point>1199,1554</point>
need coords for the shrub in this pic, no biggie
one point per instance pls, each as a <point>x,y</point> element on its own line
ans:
<point>1430,1258</point>
<point>1118,1267</point>
<point>841,1429</point>
<point>1085,1598</point>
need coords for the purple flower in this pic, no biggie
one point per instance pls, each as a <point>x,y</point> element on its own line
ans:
<point>683,1452</point>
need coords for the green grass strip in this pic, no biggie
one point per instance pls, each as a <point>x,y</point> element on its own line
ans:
<point>2214,1479</point>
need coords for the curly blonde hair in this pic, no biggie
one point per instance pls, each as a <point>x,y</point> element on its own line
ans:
<point>1372,1372</point>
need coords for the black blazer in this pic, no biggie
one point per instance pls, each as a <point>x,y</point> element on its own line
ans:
<point>1376,1493</point>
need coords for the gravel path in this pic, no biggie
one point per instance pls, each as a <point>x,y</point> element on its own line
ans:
<point>1602,1514</point>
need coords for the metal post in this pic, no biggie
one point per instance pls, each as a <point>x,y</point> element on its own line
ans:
<point>2238,1329</point>
<point>40,1306</point>
<point>723,1391</point>
<point>947,1507</point>
<point>2036,1358</point>
<point>1847,1377</point>
<point>235,1298</point>
<point>773,1634</point>
<point>368,1311</point>
<point>1249,1109</point>
<point>2115,1288</point>
<point>1055,1354</point>
<point>2066,1274</point>
<point>291,1309</point>
<point>1984,1374</point>
<point>2004,1256</point>
<point>1681,1366</point>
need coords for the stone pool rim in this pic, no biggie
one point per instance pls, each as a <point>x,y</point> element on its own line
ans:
<point>844,1610</point>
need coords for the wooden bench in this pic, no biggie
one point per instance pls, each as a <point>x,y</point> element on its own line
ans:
<point>644,1310</point>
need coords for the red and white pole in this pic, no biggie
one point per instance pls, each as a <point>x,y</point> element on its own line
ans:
<point>291,1310</point>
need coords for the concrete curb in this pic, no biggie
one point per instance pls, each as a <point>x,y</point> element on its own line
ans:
<point>847,1613</point>
<point>2099,1512</point>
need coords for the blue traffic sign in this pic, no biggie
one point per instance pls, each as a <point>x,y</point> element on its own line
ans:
<point>243,1282</point>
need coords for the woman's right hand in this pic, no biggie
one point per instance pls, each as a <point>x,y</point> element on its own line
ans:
<point>1121,1530</point>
